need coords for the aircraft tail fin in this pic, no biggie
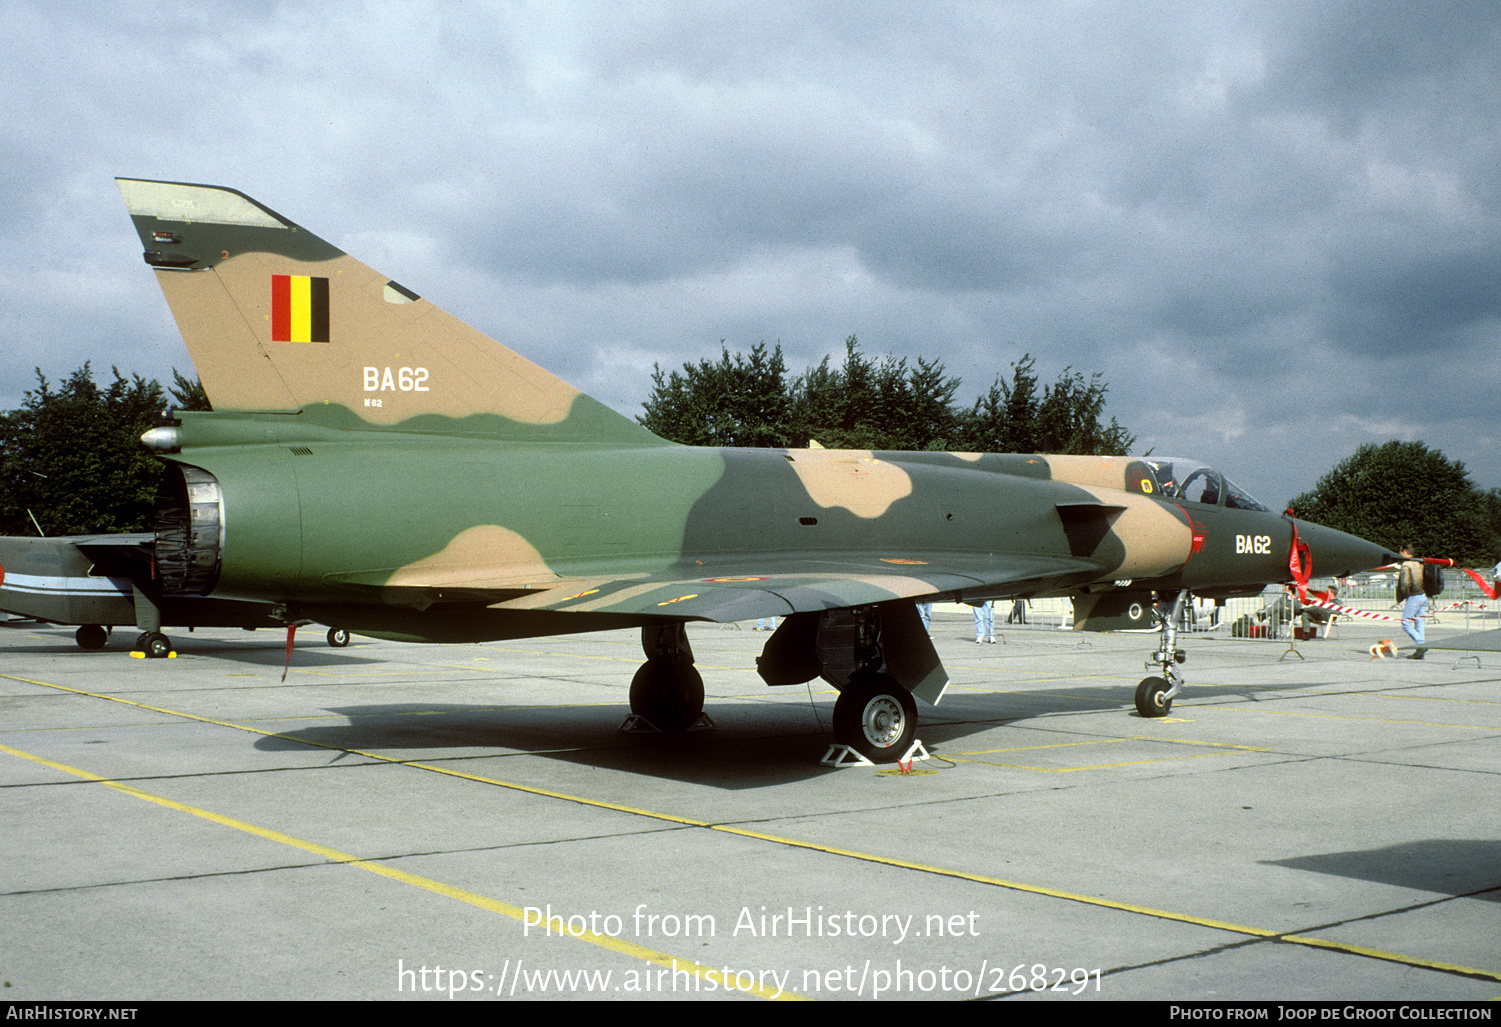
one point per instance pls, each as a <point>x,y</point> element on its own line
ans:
<point>278,320</point>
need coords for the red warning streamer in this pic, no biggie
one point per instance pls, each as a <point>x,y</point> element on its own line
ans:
<point>291,637</point>
<point>1300,562</point>
<point>1489,590</point>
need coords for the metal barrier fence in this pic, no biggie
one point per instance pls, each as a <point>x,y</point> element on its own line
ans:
<point>1274,616</point>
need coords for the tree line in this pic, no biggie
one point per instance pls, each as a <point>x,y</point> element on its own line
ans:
<point>866,402</point>
<point>1405,494</point>
<point>71,459</point>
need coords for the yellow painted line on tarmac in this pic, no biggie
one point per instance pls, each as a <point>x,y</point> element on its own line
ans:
<point>969,757</point>
<point>1107,741</point>
<point>1087,766</point>
<point>866,857</point>
<point>1126,907</point>
<point>619,945</point>
<point>580,656</point>
<point>1429,698</point>
<point>611,659</point>
<point>1335,716</point>
<point>1028,748</point>
<point>447,771</point>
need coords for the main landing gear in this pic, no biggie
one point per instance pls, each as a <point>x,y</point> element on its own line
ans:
<point>151,644</point>
<point>1154,696</point>
<point>879,657</point>
<point>667,692</point>
<point>91,636</point>
<point>876,717</point>
<point>154,645</point>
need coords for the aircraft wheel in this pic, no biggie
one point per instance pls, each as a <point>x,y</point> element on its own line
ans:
<point>338,637</point>
<point>91,636</point>
<point>669,693</point>
<point>1151,700</point>
<point>155,645</point>
<point>876,717</point>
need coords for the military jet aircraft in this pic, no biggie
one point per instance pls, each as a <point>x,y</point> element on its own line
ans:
<point>99,582</point>
<point>373,462</point>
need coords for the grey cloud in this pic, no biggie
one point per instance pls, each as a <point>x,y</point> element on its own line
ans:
<point>1241,212</point>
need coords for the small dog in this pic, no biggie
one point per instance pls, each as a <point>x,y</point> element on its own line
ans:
<point>1383,648</point>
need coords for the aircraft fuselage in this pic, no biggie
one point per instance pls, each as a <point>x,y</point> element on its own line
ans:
<point>457,534</point>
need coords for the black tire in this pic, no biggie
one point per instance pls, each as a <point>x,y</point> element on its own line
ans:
<point>1150,698</point>
<point>669,693</point>
<point>91,636</point>
<point>338,637</point>
<point>876,717</point>
<point>156,646</point>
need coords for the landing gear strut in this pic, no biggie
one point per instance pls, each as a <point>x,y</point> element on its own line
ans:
<point>151,643</point>
<point>1154,696</point>
<point>667,691</point>
<point>874,715</point>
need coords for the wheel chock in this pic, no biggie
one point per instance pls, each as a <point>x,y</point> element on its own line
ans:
<point>843,756</point>
<point>637,724</point>
<point>912,755</point>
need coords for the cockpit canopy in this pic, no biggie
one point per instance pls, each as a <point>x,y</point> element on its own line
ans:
<point>1192,482</point>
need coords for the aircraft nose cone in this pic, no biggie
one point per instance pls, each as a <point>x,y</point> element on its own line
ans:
<point>1336,554</point>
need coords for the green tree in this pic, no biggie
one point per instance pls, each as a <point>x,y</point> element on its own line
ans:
<point>1068,418</point>
<point>1004,419</point>
<point>1403,493</point>
<point>876,403</point>
<point>732,402</point>
<point>190,395</point>
<point>1011,418</point>
<point>1493,523</point>
<point>71,457</point>
<point>870,403</point>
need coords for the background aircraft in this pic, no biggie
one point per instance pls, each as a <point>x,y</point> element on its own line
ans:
<point>373,462</point>
<point>100,582</point>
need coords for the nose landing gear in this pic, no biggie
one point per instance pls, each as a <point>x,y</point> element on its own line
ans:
<point>1154,696</point>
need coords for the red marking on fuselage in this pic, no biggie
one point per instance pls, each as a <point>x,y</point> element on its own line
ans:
<point>1197,532</point>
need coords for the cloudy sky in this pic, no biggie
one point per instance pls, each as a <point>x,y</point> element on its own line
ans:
<point>1274,227</point>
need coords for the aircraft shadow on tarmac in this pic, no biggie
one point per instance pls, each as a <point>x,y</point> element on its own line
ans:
<point>763,745</point>
<point>274,656</point>
<point>961,706</point>
<point>1446,866</point>
<point>755,744</point>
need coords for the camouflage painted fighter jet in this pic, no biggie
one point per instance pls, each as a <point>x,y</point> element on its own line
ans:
<point>373,462</point>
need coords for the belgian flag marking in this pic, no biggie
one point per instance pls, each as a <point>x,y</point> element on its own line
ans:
<point>299,309</point>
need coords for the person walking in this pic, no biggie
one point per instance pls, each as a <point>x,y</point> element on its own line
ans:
<point>1414,602</point>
